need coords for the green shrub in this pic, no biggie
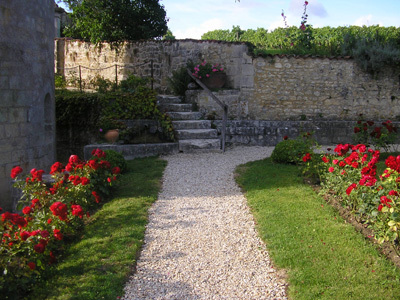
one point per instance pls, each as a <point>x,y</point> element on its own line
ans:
<point>291,151</point>
<point>131,83</point>
<point>59,81</point>
<point>116,160</point>
<point>179,81</point>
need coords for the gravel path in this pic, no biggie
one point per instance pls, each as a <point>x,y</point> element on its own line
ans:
<point>201,241</point>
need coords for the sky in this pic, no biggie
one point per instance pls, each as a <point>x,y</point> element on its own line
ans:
<point>192,18</point>
<point>189,19</point>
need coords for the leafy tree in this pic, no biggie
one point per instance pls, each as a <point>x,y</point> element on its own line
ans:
<point>169,36</point>
<point>116,20</point>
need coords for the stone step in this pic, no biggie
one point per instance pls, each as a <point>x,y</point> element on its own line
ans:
<point>161,99</point>
<point>191,124</point>
<point>199,145</point>
<point>191,134</point>
<point>175,107</point>
<point>185,115</point>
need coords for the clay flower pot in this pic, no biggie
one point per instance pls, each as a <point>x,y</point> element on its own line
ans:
<point>111,135</point>
<point>216,80</point>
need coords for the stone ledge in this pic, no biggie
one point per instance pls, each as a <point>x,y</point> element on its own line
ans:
<point>133,151</point>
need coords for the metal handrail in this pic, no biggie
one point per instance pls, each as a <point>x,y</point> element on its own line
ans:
<point>220,103</point>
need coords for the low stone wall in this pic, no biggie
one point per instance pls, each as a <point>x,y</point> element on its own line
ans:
<point>269,133</point>
<point>135,151</point>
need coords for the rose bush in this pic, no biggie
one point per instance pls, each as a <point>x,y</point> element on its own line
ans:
<point>51,212</point>
<point>350,175</point>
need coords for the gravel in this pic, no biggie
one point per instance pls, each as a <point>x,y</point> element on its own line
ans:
<point>201,241</point>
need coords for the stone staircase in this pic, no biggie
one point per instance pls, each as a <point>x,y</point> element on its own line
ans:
<point>193,134</point>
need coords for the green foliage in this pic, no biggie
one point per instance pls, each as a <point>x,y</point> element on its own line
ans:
<point>101,84</point>
<point>168,36</point>
<point>292,151</point>
<point>367,132</point>
<point>326,41</point>
<point>116,21</point>
<point>59,81</point>
<point>131,83</point>
<point>116,160</point>
<point>179,81</point>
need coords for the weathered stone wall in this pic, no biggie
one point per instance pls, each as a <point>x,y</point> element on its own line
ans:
<point>291,88</point>
<point>271,88</point>
<point>135,58</point>
<point>269,133</point>
<point>27,115</point>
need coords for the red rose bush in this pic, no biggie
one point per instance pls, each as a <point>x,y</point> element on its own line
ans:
<point>350,175</point>
<point>50,213</point>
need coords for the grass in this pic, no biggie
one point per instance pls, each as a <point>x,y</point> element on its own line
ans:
<point>324,257</point>
<point>98,265</point>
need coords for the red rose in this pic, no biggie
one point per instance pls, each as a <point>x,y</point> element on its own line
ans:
<point>77,211</point>
<point>116,170</point>
<point>59,209</point>
<point>331,169</point>
<point>44,233</point>
<point>27,210</point>
<point>16,171</point>
<point>24,235</point>
<point>96,196</point>
<point>39,248</point>
<point>73,159</point>
<point>57,234</point>
<point>32,265</point>
<point>85,181</point>
<point>350,188</point>
<point>56,168</point>
<point>37,175</point>
<point>325,159</point>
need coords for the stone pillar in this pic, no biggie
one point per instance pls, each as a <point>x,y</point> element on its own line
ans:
<point>27,106</point>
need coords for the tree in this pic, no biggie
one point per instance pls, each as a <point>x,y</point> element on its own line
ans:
<point>116,20</point>
<point>169,36</point>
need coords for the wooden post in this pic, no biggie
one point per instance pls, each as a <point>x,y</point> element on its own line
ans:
<point>152,74</point>
<point>80,78</point>
<point>116,75</point>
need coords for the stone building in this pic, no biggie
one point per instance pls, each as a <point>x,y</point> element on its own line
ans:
<point>27,107</point>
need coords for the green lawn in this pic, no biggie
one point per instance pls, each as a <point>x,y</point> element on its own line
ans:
<point>98,265</point>
<point>325,258</point>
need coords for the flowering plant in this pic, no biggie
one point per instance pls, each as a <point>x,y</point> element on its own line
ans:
<point>206,69</point>
<point>378,136</point>
<point>351,176</point>
<point>50,212</point>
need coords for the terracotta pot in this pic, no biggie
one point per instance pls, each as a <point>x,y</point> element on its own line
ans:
<point>111,135</point>
<point>215,81</point>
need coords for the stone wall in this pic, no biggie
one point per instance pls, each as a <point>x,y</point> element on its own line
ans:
<point>293,88</point>
<point>27,113</point>
<point>270,88</point>
<point>136,57</point>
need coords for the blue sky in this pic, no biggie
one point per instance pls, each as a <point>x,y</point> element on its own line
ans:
<point>192,18</point>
